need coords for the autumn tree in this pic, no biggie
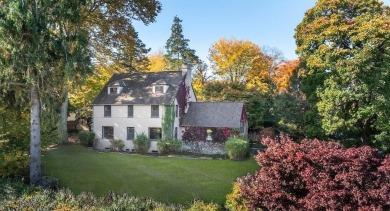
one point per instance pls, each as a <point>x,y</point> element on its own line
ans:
<point>82,96</point>
<point>113,37</point>
<point>271,61</point>
<point>42,45</point>
<point>283,74</point>
<point>115,45</point>
<point>200,77</point>
<point>344,46</point>
<point>177,49</point>
<point>240,62</point>
<point>157,61</point>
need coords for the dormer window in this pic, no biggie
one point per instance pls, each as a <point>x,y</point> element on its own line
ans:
<point>116,87</point>
<point>159,89</point>
<point>112,90</point>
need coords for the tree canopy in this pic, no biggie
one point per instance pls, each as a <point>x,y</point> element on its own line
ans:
<point>157,61</point>
<point>234,60</point>
<point>200,78</point>
<point>283,74</point>
<point>112,35</point>
<point>344,46</point>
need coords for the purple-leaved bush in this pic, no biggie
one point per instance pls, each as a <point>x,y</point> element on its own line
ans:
<point>318,175</point>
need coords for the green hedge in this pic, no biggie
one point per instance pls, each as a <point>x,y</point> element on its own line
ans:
<point>168,146</point>
<point>237,149</point>
<point>141,144</point>
<point>86,138</point>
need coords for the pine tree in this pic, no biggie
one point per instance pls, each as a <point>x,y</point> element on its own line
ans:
<point>178,51</point>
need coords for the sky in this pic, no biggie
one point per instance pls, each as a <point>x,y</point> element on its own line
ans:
<point>268,23</point>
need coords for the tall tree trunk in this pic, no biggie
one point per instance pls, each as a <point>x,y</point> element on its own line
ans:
<point>35,138</point>
<point>64,118</point>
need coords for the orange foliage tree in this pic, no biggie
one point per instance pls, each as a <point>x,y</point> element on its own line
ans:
<point>284,73</point>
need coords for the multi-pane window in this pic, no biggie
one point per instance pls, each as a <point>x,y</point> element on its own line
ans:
<point>113,90</point>
<point>107,111</point>
<point>159,89</point>
<point>155,111</point>
<point>176,133</point>
<point>130,133</point>
<point>177,111</point>
<point>155,133</point>
<point>130,111</point>
<point>108,132</point>
<point>241,127</point>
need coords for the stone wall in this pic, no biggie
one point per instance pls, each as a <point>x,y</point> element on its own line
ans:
<point>204,147</point>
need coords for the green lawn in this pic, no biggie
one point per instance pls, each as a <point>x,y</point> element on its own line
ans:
<point>166,179</point>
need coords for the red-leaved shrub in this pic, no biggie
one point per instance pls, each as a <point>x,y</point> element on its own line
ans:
<point>195,134</point>
<point>318,175</point>
<point>223,134</point>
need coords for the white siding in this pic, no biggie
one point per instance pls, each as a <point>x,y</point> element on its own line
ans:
<point>141,122</point>
<point>176,123</point>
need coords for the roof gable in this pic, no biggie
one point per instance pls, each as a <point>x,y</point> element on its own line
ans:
<point>118,83</point>
<point>160,82</point>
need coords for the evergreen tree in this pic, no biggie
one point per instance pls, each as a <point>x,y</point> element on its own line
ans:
<point>132,57</point>
<point>178,51</point>
<point>42,46</point>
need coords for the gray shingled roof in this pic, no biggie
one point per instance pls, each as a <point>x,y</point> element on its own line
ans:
<point>139,88</point>
<point>213,114</point>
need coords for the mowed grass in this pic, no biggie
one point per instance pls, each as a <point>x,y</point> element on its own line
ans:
<point>166,179</point>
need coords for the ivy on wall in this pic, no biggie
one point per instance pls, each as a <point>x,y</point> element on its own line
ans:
<point>182,97</point>
<point>167,122</point>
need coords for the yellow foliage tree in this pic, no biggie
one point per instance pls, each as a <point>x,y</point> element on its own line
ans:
<point>200,78</point>
<point>157,62</point>
<point>240,62</point>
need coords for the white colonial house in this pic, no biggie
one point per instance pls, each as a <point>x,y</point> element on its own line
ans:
<point>133,103</point>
